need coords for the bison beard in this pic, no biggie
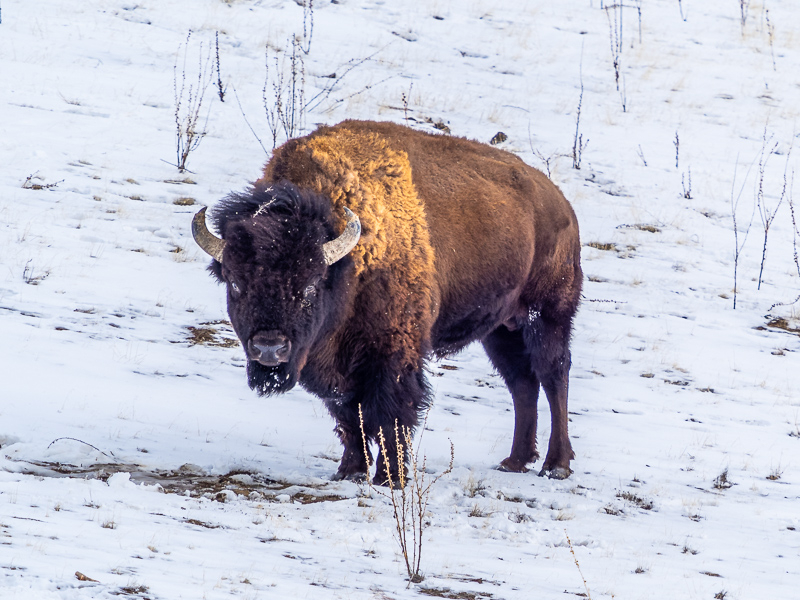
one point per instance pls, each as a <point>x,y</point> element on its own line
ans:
<point>267,381</point>
<point>459,242</point>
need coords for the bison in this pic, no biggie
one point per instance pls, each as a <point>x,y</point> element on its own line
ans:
<point>367,248</point>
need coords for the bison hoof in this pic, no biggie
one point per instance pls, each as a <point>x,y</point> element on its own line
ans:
<point>556,473</point>
<point>384,482</point>
<point>509,465</point>
<point>354,477</point>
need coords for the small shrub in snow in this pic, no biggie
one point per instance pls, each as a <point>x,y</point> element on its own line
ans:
<point>721,482</point>
<point>409,494</point>
<point>189,103</point>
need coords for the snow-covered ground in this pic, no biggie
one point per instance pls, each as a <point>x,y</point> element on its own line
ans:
<point>143,461</point>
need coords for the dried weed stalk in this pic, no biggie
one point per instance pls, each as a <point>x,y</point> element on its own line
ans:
<point>284,91</point>
<point>578,145</point>
<point>744,10</point>
<point>738,247</point>
<point>577,564</point>
<point>767,213</point>
<point>795,235</point>
<point>220,88</point>
<point>409,493</point>
<point>189,102</point>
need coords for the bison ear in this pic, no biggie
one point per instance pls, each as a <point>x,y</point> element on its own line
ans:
<point>337,249</point>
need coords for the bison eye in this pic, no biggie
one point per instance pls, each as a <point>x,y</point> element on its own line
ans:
<point>235,288</point>
<point>309,291</point>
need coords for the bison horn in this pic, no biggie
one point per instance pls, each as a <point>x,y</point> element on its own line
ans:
<point>339,248</point>
<point>211,244</point>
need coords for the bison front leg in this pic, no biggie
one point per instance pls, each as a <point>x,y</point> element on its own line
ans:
<point>385,405</point>
<point>356,458</point>
<point>391,404</point>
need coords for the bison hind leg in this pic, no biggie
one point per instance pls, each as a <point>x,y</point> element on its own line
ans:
<point>507,350</point>
<point>547,338</point>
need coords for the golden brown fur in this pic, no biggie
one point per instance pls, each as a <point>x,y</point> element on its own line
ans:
<point>358,169</point>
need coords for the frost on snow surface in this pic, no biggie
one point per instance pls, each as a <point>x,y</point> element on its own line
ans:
<point>134,460</point>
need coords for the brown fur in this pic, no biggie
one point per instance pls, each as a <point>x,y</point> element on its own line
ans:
<point>461,242</point>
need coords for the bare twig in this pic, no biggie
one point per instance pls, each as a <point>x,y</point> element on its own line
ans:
<point>577,564</point>
<point>84,443</point>
<point>260,143</point>
<point>578,145</point>
<point>546,160</point>
<point>677,144</point>
<point>687,187</point>
<point>795,229</point>
<point>744,9</point>
<point>771,35</point>
<point>405,100</point>
<point>766,213</point>
<point>308,25</point>
<point>331,86</point>
<point>641,155</point>
<point>29,185</point>
<point>615,39</point>
<point>220,89</point>
<point>31,276</point>
<point>189,103</point>
<point>734,206</point>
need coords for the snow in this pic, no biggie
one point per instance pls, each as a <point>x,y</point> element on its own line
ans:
<point>145,463</point>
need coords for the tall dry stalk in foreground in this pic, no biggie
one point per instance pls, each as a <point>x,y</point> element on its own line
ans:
<point>409,493</point>
<point>577,564</point>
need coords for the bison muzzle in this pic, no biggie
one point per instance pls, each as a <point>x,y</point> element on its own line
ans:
<point>367,248</point>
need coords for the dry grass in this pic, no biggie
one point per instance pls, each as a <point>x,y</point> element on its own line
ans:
<point>606,247</point>
<point>210,336</point>
<point>638,501</point>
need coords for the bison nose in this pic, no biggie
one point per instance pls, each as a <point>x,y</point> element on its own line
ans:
<point>270,349</point>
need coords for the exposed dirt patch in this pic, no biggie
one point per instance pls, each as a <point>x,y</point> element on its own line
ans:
<point>192,479</point>
<point>606,247</point>
<point>218,334</point>
<point>447,593</point>
<point>780,323</point>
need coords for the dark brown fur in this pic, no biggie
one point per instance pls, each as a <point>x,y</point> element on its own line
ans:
<point>461,242</point>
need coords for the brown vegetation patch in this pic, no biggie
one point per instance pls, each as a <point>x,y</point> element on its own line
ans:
<point>448,593</point>
<point>132,590</point>
<point>200,523</point>
<point>641,227</point>
<point>192,479</point>
<point>207,335</point>
<point>780,323</point>
<point>607,247</point>
<point>642,503</point>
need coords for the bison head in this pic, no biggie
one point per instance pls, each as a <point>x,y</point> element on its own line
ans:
<point>286,280</point>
